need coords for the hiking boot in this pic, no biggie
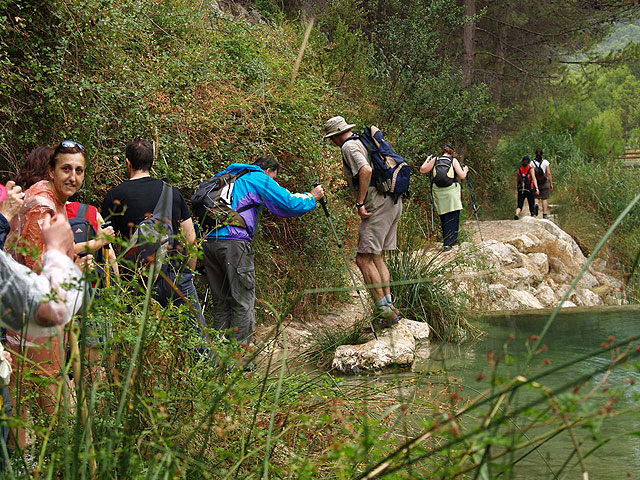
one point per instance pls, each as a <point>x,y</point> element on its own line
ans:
<point>387,317</point>
<point>545,215</point>
<point>388,322</point>
<point>515,217</point>
<point>536,209</point>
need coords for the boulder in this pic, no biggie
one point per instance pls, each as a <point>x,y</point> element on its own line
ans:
<point>585,298</point>
<point>536,262</point>
<point>420,330</point>
<point>520,277</point>
<point>395,346</point>
<point>500,297</point>
<point>525,299</point>
<point>500,254</point>
<point>539,262</point>
<point>526,243</point>
<point>546,295</point>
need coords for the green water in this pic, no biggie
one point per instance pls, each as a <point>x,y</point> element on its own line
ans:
<point>572,335</point>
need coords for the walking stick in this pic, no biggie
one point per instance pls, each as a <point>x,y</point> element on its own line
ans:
<point>346,261</point>
<point>206,296</point>
<point>475,207</point>
<point>431,198</point>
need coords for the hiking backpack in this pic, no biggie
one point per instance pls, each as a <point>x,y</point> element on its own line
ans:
<point>391,173</point>
<point>153,236</point>
<point>212,203</point>
<point>524,182</point>
<point>443,174</point>
<point>82,226</point>
<point>541,176</point>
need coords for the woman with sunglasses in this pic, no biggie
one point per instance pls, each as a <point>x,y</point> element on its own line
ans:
<point>67,165</point>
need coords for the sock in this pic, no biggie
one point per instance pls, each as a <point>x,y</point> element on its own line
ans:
<point>388,298</point>
<point>382,302</point>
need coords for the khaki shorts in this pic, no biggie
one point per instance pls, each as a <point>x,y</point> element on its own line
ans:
<point>379,232</point>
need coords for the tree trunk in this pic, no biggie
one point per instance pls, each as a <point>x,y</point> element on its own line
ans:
<point>499,78</point>
<point>469,42</point>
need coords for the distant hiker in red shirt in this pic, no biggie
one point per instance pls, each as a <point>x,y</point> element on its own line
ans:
<point>527,187</point>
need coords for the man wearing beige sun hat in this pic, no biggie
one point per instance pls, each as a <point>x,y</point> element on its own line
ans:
<point>379,216</point>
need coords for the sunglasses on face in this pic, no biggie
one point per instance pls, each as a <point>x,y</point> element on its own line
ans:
<point>72,144</point>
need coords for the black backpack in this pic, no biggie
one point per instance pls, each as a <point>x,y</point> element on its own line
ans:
<point>83,231</point>
<point>443,174</point>
<point>391,173</point>
<point>541,177</point>
<point>212,203</point>
<point>524,182</point>
<point>154,235</point>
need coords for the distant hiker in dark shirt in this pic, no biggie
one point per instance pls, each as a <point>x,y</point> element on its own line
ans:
<point>542,169</point>
<point>527,187</point>
<point>132,201</point>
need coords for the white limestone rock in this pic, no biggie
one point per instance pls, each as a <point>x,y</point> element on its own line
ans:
<point>395,346</point>
<point>500,254</point>
<point>568,304</point>
<point>525,243</point>
<point>546,295</point>
<point>539,262</point>
<point>420,330</point>
<point>517,278</point>
<point>585,298</point>
<point>526,299</point>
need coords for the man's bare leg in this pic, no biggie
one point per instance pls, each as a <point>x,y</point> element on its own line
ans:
<point>367,265</point>
<point>383,271</point>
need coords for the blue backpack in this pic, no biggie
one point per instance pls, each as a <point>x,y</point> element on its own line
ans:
<point>391,172</point>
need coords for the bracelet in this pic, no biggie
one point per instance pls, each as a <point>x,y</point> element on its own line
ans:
<point>359,205</point>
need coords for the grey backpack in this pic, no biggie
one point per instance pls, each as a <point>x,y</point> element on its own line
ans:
<point>154,235</point>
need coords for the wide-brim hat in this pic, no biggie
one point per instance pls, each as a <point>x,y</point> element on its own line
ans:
<point>336,126</point>
<point>3,193</point>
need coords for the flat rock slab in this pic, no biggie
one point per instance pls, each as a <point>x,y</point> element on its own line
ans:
<point>395,346</point>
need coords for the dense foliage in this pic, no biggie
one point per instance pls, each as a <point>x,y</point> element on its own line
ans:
<point>583,131</point>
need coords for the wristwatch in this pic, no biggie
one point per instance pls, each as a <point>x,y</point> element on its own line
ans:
<point>358,205</point>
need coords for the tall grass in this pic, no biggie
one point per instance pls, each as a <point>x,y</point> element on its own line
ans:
<point>161,411</point>
<point>437,300</point>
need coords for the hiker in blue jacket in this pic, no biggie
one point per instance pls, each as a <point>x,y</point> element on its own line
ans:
<point>228,251</point>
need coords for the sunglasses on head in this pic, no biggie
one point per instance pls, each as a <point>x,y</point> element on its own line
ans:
<point>71,144</point>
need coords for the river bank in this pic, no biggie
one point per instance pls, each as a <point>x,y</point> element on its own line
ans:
<point>508,266</point>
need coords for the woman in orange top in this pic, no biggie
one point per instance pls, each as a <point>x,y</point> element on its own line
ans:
<point>67,165</point>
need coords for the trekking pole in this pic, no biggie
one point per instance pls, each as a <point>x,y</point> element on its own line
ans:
<point>107,267</point>
<point>475,207</point>
<point>431,198</point>
<point>204,302</point>
<point>323,202</point>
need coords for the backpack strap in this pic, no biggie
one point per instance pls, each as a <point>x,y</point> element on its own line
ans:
<point>82,210</point>
<point>246,207</point>
<point>164,207</point>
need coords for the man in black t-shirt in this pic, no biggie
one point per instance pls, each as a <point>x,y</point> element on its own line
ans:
<point>134,200</point>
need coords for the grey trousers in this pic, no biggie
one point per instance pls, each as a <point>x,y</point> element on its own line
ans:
<point>232,279</point>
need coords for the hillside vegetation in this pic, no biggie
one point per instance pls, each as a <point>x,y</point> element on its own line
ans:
<point>211,86</point>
